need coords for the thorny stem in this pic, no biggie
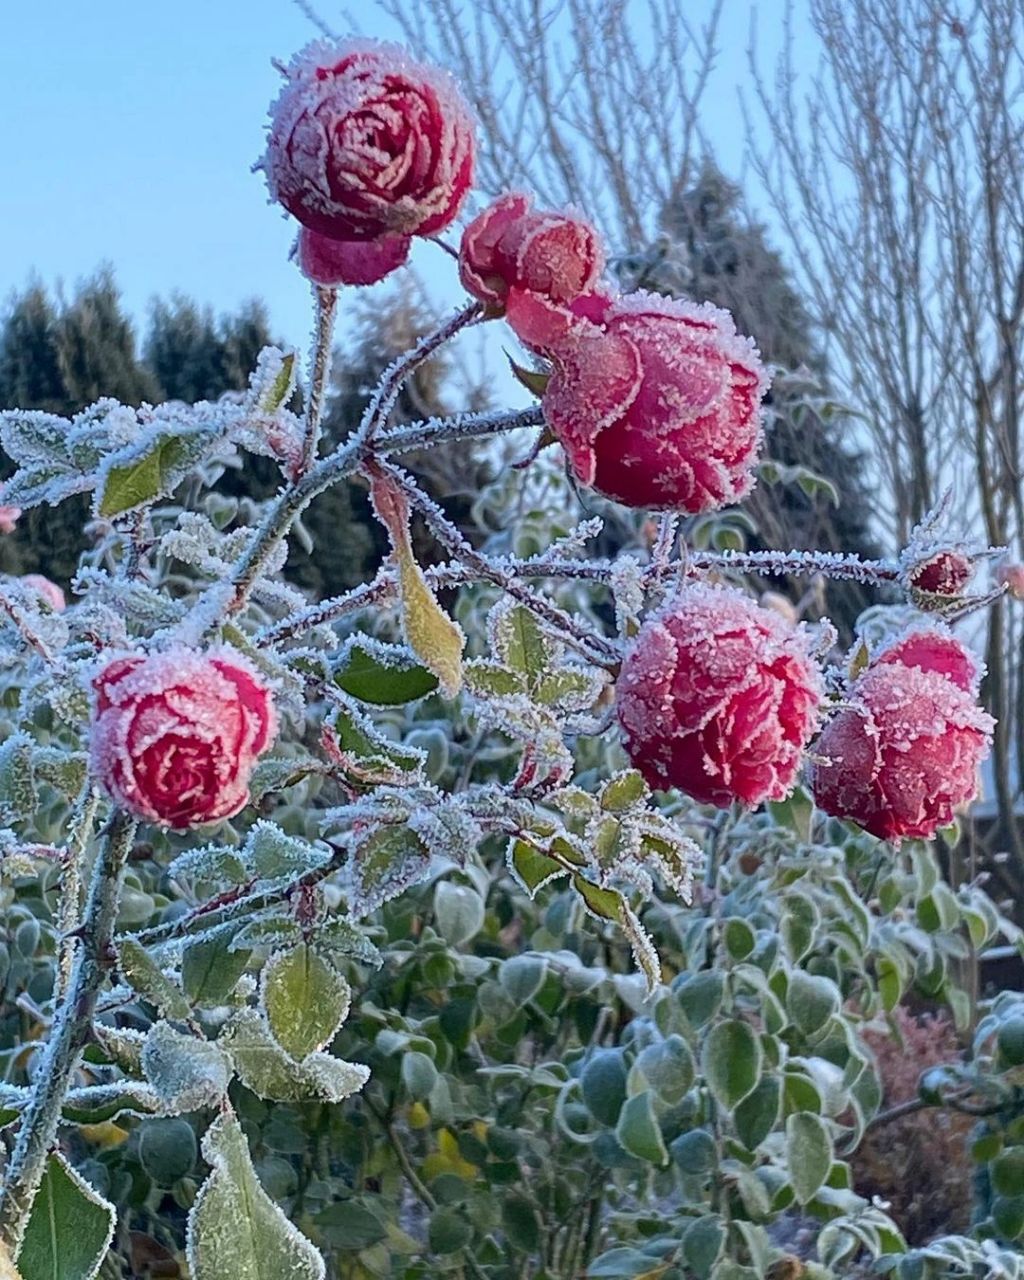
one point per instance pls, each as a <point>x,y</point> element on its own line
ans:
<point>326,312</point>
<point>68,1034</point>
<point>343,462</point>
<point>68,911</point>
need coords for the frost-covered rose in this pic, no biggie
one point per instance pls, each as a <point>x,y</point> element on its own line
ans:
<point>719,697</point>
<point>512,248</point>
<point>9,518</point>
<point>903,756</point>
<point>946,573</point>
<point>175,735</point>
<point>657,403</point>
<point>367,143</point>
<point>49,591</point>
<point>331,263</point>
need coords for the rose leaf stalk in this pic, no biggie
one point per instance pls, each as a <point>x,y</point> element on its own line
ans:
<point>68,1035</point>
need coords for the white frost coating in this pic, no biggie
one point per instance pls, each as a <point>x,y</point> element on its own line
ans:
<point>186,1073</point>
<point>234,1229</point>
<point>264,1067</point>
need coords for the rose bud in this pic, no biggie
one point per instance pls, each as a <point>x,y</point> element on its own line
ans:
<point>658,405</point>
<point>719,697</point>
<point>49,591</point>
<point>175,735</point>
<point>903,757</point>
<point>330,263</point>
<point>365,143</point>
<point>946,573</point>
<point>510,248</point>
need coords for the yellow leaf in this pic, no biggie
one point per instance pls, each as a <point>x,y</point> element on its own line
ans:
<point>448,1159</point>
<point>434,638</point>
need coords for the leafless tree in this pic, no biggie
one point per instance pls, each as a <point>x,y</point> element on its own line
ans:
<point>587,102</point>
<point>897,169</point>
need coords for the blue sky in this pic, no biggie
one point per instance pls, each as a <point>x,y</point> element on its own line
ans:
<point>130,127</point>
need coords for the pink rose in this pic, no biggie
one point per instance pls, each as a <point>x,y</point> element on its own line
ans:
<point>946,573</point>
<point>9,518</point>
<point>510,248</point>
<point>175,735</point>
<point>719,697</point>
<point>657,404</point>
<point>367,143</point>
<point>50,592</point>
<point>904,755</point>
<point>330,263</point>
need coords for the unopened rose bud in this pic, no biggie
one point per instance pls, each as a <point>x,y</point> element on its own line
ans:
<point>9,518</point>
<point>50,592</point>
<point>946,573</point>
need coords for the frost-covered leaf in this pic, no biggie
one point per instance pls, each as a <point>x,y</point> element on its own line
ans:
<point>150,468</point>
<point>210,968</point>
<point>63,770</point>
<point>186,1073</point>
<point>30,435</point>
<point>436,639</point>
<point>273,380</point>
<point>520,643</point>
<point>143,973</point>
<point>368,756</point>
<point>264,1067</point>
<point>211,864</point>
<point>623,792</point>
<point>731,1061</point>
<point>808,1154</point>
<point>458,912</point>
<point>382,674</point>
<point>344,939</point>
<point>306,1000</point>
<point>69,1229</point>
<point>18,798</point>
<point>274,930</point>
<point>96,1104</point>
<point>271,854</point>
<point>609,904</point>
<point>386,863</point>
<point>637,1130</point>
<point>234,1228</point>
<point>277,774</point>
<point>531,867</point>
<point>491,680</point>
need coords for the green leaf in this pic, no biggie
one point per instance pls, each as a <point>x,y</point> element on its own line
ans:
<point>273,397</point>
<point>351,1225</point>
<point>637,1130</point>
<point>152,468</point>
<point>522,977</point>
<point>808,1154</point>
<point>756,1115</point>
<point>272,854</point>
<point>625,791</point>
<point>491,680</point>
<point>521,643</point>
<point>306,1000</point>
<point>419,1075</point>
<point>603,1085</point>
<point>532,868</point>
<point>186,1073</point>
<point>370,757</point>
<point>386,863</point>
<point>702,1244</point>
<point>810,1000</point>
<point>265,1068</point>
<point>69,1229</point>
<point>519,1218</point>
<point>535,380</point>
<point>669,1068</point>
<point>459,912</point>
<point>739,938</point>
<point>700,996</point>
<point>384,675</point>
<point>210,969</point>
<point>145,976</point>
<point>449,1230</point>
<point>731,1061</point>
<point>234,1228</point>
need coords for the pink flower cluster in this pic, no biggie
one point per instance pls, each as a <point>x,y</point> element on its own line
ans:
<point>656,402</point>
<point>903,756</point>
<point>367,148</point>
<point>719,697</point>
<point>175,735</point>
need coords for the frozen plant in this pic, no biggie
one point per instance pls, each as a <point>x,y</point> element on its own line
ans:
<point>186,686</point>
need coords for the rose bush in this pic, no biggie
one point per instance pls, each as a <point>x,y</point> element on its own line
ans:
<point>450,781</point>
